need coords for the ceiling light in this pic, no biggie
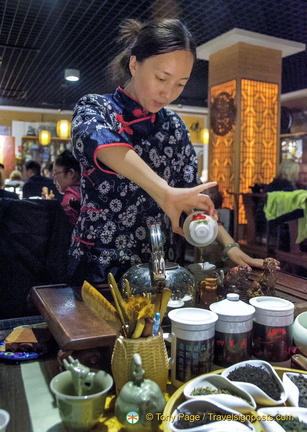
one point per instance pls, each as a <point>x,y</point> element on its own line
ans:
<point>72,74</point>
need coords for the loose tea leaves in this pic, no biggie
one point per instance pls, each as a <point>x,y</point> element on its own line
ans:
<point>259,377</point>
<point>201,417</point>
<point>293,425</point>
<point>203,391</point>
<point>205,417</point>
<point>301,383</point>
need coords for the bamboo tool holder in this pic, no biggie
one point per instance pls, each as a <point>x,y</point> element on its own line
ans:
<point>154,356</point>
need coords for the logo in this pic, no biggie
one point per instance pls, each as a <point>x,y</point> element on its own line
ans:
<point>132,417</point>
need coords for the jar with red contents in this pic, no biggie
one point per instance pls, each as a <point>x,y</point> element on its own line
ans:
<point>272,329</point>
<point>233,330</point>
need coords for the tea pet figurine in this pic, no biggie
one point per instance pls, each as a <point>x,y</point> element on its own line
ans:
<point>82,377</point>
<point>265,284</point>
<point>234,279</point>
<point>137,398</point>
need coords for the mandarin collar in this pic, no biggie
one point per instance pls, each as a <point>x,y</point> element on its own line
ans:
<point>130,104</point>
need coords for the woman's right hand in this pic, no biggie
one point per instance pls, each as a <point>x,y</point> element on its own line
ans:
<point>173,201</point>
<point>178,200</point>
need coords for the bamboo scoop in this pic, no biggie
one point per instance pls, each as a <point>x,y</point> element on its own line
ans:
<point>166,295</point>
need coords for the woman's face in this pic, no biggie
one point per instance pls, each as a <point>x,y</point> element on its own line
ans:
<point>61,178</point>
<point>159,80</point>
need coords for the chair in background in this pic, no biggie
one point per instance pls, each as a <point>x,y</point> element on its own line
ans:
<point>254,245</point>
<point>34,239</point>
<point>282,235</point>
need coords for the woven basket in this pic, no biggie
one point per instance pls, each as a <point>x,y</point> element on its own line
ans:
<point>154,356</point>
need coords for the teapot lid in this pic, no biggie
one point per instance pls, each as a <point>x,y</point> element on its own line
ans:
<point>232,308</point>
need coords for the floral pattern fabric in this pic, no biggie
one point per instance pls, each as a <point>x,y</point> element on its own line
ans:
<point>113,229</point>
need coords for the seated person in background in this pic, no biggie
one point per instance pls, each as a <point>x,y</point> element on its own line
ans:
<point>48,170</point>
<point>286,177</point>
<point>66,176</point>
<point>15,179</point>
<point>302,176</point>
<point>35,181</point>
<point>3,192</point>
<point>286,180</point>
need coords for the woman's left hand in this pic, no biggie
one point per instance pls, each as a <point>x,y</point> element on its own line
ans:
<point>241,258</point>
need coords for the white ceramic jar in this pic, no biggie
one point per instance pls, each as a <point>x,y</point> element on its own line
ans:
<point>233,330</point>
<point>272,329</point>
<point>200,229</point>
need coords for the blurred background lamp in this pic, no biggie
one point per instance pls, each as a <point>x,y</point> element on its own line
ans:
<point>72,74</point>
<point>44,137</point>
<point>63,128</point>
<point>205,136</point>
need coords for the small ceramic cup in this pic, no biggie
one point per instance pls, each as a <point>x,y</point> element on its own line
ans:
<point>80,413</point>
<point>4,420</point>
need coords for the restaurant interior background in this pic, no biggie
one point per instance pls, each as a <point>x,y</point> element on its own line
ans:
<point>40,41</point>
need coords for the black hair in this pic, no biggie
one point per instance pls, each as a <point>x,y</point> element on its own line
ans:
<point>49,167</point>
<point>147,40</point>
<point>33,166</point>
<point>68,161</point>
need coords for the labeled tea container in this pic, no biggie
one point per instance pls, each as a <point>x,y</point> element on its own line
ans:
<point>233,330</point>
<point>192,343</point>
<point>272,329</point>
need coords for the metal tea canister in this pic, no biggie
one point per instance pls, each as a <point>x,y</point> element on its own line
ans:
<point>233,330</point>
<point>272,329</point>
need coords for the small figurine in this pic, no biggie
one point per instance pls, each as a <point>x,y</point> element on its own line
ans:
<point>235,278</point>
<point>265,284</point>
<point>137,398</point>
<point>82,377</point>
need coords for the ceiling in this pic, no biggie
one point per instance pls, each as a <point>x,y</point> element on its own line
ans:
<point>40,38</point>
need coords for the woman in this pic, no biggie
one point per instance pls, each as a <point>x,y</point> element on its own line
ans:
<point>286,177</point>
<point>66,176</point>
<point>4,193</point>
<point>138,164</point>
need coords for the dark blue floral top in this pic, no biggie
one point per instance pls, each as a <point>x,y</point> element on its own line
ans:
<point>113,230</point>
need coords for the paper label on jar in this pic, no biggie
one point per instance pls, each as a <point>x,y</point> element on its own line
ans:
<point>193,358</point>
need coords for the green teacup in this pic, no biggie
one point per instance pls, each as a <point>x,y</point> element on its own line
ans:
<point>80,413</point>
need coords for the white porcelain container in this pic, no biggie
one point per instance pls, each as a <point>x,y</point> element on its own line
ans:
<point>200,229</point>
<point>256,392</point>
<point>233,330</point>
<point>238,399</point>
<point>299,330</point>
<point>272,329</point>
<point>192,343</point>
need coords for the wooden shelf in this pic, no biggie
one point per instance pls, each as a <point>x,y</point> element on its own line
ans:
<point>289,135</point>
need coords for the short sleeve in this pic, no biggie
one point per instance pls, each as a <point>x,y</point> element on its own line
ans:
<point>94,125</point>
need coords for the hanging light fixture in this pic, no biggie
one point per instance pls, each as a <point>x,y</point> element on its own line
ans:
<point>72,74</point>
<point>205,136</point>
<point>63,128</point>
<point>44,137</point>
